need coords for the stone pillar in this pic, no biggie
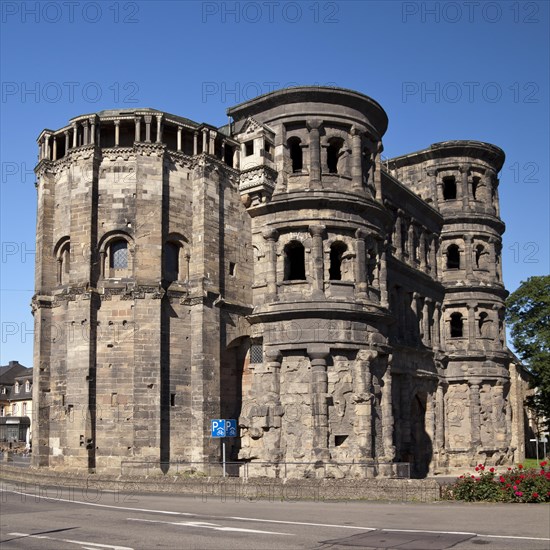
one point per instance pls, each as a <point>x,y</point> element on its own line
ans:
<point>383,275</point>
<point>212,142</point>
<point>362,398</point>
<point>498,414</point>
<point>236,158</point>
<point>387,415</point>
<point>468,256</point>
<point>204,141</point>
<point>117,133</point>
<point>360,264</point>
<point>464,170</point>
<point>414,325</point>
<point>422,251</point>
<point>377,167</point>
<point>399,234</point>
<point>137,123</point>
<point>426,322</point>
<point>159,128</point>
<point>471,325</point>
<point>433,258</point>
<point>67,141</point>
<point>440,196</point>
<point>430,417</point>
<point>440,418</point>
<point>516,399</point>
<point>475,405</point>
<point>222,156</point>
<point>148,119</point>
<point>314,151</point>
<point>318,286</point>
<point>272,386</point>
<point>195,142</point>
<point>75,135</point>
<point>180,129</point>
<point>356,159</point>
<point>54,155</point>
<point>319,405</point>
<point>437,326</point>
<point>92,131</point>
<point>85,138</point>
<point>432,176</point>
<point>271,236</point>
<point>410,244</point>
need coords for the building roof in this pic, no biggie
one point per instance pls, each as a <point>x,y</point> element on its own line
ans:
<point>9,375</point>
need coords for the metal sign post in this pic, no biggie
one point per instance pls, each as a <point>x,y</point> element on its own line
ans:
<point>222,428</point>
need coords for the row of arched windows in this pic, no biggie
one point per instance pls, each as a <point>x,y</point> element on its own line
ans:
<point>335,155</point>
<point>481,257</point>
<point>116,260</point>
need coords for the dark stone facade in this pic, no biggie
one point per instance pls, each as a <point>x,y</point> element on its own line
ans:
<point>347,310</point>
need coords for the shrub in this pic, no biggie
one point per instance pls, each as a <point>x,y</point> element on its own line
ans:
<point>513,485</point>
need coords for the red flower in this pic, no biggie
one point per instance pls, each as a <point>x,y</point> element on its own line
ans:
<point>502,480</point>
<point>535,495</point>
<point>519,494</point>
<point>522,476</point>
<point>477,469</point>
<point>491,470</point>
<point>544,463</point>
<point>509,469</point>
<point>461,477</point>
<point>515,487</point>
<point>520,466</point>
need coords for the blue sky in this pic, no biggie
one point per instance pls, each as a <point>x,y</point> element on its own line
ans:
<point>441,70</point>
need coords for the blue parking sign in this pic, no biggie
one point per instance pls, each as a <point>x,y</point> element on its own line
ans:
<point>217,427</point>
<point>230,428</point>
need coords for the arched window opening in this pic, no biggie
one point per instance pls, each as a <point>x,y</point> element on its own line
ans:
<point>453,257</point>
<point>337,250</point>
<point>296,154</point>
<point>449,188</point>
<point>475,186</point>
<point>64,263</point>
<point>295,269</point>
<point>483,324</point>
<point>334,151</point>
<point>172,261</point>
<point>457,325</point>
<point>118,257</point>
<point>228,155</point>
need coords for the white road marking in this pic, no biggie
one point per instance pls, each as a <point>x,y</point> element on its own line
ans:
<point>304,523</point>
<point>89,545</point>
<point>168,512</point>
<point>212,526</point>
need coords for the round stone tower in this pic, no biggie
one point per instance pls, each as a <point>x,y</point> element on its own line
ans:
<point>311,183</point>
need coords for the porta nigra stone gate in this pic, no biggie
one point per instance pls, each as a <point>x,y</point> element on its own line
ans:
<point>347,310</point>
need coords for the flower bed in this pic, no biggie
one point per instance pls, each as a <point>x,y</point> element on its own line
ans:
<point>513,485</point>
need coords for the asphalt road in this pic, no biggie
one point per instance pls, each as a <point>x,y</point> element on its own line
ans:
<point>62,518</point>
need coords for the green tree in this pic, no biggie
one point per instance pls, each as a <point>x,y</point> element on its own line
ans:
<point>528,316</point>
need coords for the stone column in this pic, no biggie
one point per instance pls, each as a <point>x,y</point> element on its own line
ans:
<point>148,119</point>
<point>471,325</point>
<point>426,322</point>
<point>498,414</point>
<point>356,159</point>
<point>319,405</point>
<point>377,171</point>
<point>318,286</point>
<point>475,405</point>
<point>54,155</point>
<point>468,256</point>
<point>159,128</point>
<point>204,141</point>
<point>383,275</point>
<point>67,141</point>
<point>430,416</point>
<point>85,138</point>
<point>222,157</point>
<point>433,259</point>
<point>387,414</point>
<point>212,142</point>
<point>362,398</point>
<point>399,234</point>
<point>410,243</point>
<point>137,123</point>
<point>75,135</point>
<point>195,142</point>
<point>271,236</point>
<point>272,386</point>
<point>236,158</point>
<point>440,195</point>
<point>464,170</point>
<point>437,326</point>
<point>422,251</point>
<point>360,264</point>
<point>432,177</point>
<point>117,133</point>
<point>180,129</point>
<point>314,151</point>
<point>440,418</point>
<point>92,131</point>
<point>414,326</point>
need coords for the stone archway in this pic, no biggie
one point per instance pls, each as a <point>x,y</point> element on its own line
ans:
<point>421,443</point>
